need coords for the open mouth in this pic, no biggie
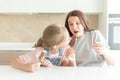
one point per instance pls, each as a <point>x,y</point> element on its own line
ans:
<point>75,32</point>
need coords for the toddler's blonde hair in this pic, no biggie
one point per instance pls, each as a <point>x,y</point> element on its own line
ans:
<point>52,35</point>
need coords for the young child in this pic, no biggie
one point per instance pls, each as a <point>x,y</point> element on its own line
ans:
<point>52,49</point>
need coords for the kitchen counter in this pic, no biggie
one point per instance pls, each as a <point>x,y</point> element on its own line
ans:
<point>60,73</point>
<point>10,50</point>
<point>16,46</point>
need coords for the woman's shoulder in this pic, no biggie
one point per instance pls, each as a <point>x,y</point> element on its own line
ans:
<point>95,32</point>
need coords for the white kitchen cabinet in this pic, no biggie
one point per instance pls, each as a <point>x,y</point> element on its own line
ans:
<point>89,6</point>
<point>13,6</point>
<point>50,6</point>
<point>7,56</point>
<point>9,51</point>
<point>36,6</point>
<point>63,6</point>
<point>113,6</point>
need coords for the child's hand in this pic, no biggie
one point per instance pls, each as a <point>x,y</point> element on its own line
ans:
<point>46,63</point>
<point>42,55</point>
<point>32,67</point>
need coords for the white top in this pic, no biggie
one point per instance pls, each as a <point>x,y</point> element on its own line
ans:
<point>60,73</point>
<point>85,55</point>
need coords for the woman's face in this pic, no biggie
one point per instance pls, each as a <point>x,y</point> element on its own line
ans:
<point>75,26</point>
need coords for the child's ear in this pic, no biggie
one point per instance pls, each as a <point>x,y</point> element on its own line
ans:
<point>55,46</point>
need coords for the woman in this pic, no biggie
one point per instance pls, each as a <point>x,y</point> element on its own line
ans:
<point>89,45</point>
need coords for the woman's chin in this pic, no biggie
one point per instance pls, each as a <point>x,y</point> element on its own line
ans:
<point>77,35</point>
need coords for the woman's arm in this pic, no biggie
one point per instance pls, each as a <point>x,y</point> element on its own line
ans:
<point>29,67</point>
<point>99,49</point>
<point>108,57</point>
<point>72,41</point>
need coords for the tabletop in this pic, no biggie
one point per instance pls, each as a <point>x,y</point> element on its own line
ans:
<point>61,73</point>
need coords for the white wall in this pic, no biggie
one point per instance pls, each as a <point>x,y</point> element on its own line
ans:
<point>102,26</point>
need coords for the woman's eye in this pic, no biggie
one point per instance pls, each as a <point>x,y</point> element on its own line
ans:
<point>70,24</point>
<point>77,23</point>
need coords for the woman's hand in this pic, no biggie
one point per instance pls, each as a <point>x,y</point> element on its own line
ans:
<point>70,54</point>
<point>98,47</point>
<point>69,59</point>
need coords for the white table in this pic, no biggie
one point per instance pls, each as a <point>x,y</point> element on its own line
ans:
<point>60,73</point>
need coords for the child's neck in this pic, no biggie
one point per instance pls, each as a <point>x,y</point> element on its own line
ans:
<point>53,51</point>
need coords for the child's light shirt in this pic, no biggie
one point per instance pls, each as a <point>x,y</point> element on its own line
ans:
<point>31,56</point>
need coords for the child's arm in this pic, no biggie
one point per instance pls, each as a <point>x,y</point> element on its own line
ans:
<point>29,67</point>
<point>69,59</point>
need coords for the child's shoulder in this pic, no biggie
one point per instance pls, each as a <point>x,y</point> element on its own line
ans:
<point>66,48</point>
<point>38,49</point>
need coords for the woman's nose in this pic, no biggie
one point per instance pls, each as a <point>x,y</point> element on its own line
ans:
<point>74,26</point>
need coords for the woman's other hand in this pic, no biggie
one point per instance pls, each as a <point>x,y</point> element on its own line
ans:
<point>98,47</point>
<point>69,59</point>
<point>70,54</point>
